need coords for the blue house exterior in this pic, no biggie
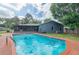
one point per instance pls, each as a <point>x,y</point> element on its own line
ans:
<point>49,27</point>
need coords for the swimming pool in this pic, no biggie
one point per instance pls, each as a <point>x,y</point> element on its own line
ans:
<point>34,44</point>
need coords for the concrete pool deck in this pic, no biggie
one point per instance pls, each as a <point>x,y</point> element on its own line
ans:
<point>9,48</point>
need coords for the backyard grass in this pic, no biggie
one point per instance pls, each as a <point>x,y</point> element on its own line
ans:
<point>1,32</point>
<point>65,36</point>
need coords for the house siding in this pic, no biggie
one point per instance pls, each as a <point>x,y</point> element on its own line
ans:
<point>51,27</point>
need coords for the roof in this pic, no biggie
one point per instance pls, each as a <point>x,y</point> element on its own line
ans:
<point>67,27</point>
<point>28,25</point>
<point>57,21</point>
<point>39,24</point>
<point>2,25</point>
<point>53,21</point>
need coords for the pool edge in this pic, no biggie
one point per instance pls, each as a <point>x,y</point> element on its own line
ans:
<point>67,45</point>
<point>13,44</point>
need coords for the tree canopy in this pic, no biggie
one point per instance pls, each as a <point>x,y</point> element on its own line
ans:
<point>68,13</point>
<point>47,20</point>
<point>10,22</point>
<point>30,20</point>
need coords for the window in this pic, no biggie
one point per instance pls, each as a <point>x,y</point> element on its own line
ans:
<point>60,28</point>
<point>52,27</point>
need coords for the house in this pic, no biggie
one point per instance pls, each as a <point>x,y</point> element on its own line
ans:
<point>2,27</point>
<point>27,27</point>
<point>50,27</point>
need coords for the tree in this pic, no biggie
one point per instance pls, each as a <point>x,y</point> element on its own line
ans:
<point>71,20</point>
<point>60,9</point>
<point>66,13</point>
<point>47,20</point>
<point>15,20</point>
<point>28,18</point>
<point>7,23</point>
<point>10,22</point>
<point>2,20</point>
<point>34,21</point>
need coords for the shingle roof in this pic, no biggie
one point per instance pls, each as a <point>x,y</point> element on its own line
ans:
<point>29,24</point>
<point>52,21</point>
<point>38,24</point>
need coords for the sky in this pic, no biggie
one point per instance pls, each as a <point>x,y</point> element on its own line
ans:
<point>37,10</point>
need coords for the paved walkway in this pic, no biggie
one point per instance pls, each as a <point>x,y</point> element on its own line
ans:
<point>72,48</point>
<point>6,47</point>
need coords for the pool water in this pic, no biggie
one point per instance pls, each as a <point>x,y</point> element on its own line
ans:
<point>34,44</point>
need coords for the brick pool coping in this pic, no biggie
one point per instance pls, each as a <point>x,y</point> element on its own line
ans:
<point>68,51</point>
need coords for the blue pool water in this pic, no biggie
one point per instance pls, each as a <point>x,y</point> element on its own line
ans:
<point>34,44</point>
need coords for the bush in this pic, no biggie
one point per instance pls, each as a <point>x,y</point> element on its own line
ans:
<point>8,30</point>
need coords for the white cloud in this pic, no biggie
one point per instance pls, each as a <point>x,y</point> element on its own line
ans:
<point>17,6</point>
<point>9,9</point>
<point>46,9</point>
<point>20,17</point>
<point>4,12</point>
<point>39,6</point>
<point>14,6</point>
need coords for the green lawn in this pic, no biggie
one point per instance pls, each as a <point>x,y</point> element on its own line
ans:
<point>1,32</point>
<point>66,36</point>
